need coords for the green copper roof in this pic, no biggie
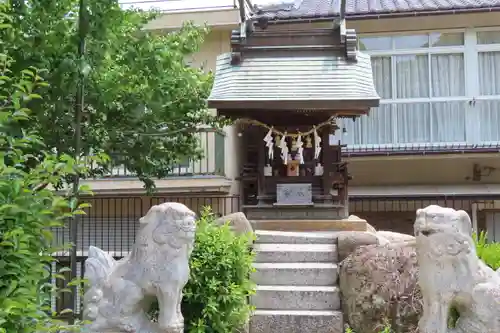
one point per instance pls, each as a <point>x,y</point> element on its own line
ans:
<point>325,78</point>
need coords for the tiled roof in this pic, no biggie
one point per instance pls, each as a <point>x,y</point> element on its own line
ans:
<point>329,8</point>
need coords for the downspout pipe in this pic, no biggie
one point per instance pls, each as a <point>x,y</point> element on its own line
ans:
<point>343,4</point>
<point>474,219</point>
<point>242,10</point>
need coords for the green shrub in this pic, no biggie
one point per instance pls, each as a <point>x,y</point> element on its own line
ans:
<point>28,205</point>
<point>488,252</point>
<point>216,296</point>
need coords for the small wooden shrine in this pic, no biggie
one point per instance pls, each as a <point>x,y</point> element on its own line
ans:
<point>286,88</point>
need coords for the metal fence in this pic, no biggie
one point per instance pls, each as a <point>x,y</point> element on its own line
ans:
<point>398,214</point>
<point>111,223</point>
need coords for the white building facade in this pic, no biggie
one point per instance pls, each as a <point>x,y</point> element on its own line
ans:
<point>439,89</point>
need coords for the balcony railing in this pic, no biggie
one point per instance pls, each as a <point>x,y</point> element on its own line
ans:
<point>211,142</point>
<point>419,149</point>
<point>170,6</point>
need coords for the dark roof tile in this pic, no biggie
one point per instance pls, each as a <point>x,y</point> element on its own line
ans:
<point>330,8</point>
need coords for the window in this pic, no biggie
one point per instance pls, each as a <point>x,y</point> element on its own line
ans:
<point>421,82</point>
<point>488,100</point>
<point>489,120</point>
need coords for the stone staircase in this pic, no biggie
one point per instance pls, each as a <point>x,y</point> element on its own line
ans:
<point>297,283</point>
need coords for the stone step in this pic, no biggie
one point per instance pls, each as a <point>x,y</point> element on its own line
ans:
<point>296,253</point>
<point>289,237</point>
<point>297,273</point>
<point>311,225</point>
<point>296,298</point>
<point>264,211</point>
<point>266,321</point>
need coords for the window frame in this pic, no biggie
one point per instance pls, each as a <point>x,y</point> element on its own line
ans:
<point>478,49</point>
<point>470,51</point>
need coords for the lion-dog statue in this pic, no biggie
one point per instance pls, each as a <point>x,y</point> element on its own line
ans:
<point>121,292</point>
<point>451,274</point>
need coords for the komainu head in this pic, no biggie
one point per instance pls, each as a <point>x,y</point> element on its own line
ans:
<point>434,219</point>
<point>169,223</point>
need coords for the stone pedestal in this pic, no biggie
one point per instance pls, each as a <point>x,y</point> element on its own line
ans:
<point>296,212</point>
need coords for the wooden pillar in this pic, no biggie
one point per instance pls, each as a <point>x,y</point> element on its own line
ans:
<point>328,163</point>
<point>345,193</point>
<point>242,145</point>
<point>261,179</point>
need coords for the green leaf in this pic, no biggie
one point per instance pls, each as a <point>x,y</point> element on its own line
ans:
<point>11,288</point>
<point>35,96</point>
<point>64,270</point>
<point>84,205</point>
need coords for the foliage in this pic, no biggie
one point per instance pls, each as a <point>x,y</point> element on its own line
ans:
<point>488,252</point>
<point>28,208</point>
<point>142,102</point>
<point>216,296</point>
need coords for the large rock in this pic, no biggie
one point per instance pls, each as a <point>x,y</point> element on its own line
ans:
<point>369,227</point>
<point>237,221</point>
<point>349,241</point>
<point>395,237</point>
<point>379,282</point>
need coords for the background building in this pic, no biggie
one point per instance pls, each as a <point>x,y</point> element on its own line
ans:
<point>436,136</point>
<point>434,139</point>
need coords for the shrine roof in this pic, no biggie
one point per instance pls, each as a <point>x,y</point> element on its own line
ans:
<point>324,82</point>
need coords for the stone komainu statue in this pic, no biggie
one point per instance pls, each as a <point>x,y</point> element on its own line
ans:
<point>121,292</point>
<point>451,274</point>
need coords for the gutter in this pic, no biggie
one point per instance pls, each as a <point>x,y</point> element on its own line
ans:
<point>418,197</point>
<point>386,15</point>
<point>423,13</point>
<point>444,151</point>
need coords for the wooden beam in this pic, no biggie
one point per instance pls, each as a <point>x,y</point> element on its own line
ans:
<point>340,107</point>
